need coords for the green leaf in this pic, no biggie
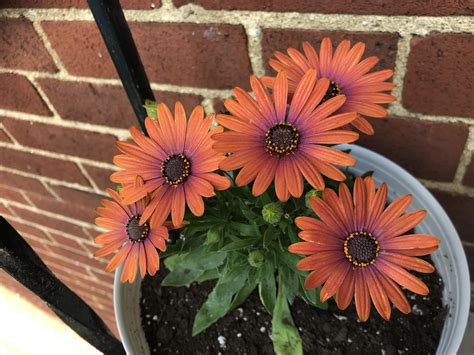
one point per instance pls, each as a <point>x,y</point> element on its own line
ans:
<point>245,230</point>
<point>267,286</point>
<point>290,279</point>
<point>245,291</point>
<point>208,275</point>
<point>220,299</point>
<point>269,236</point>
<point>150,107</point>
<point>238,245</point>
<point>214,234</point>
<point>286,339</point>
<point>192,266</point>
<point>311,295</point>
<point>173,261</point>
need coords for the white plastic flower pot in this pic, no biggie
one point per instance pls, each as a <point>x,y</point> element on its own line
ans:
<point>450,259</point>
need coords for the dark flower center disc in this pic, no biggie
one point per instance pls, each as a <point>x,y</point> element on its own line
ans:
<point>361,248</point>
<point>333,90</point>
<point>175,169</point>
<point>135,232</point>
<point>282,139</point>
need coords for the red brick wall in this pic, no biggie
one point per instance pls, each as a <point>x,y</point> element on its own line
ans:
<point>62,106</point>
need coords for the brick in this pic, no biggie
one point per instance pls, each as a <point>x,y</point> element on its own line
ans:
<point>218,105</point>
<point>382,45</point>
<point>23,183</point>
<point>469,250</point>
<point>26,229</point>
<point>4,210</point>
<point>459,208</point>
<point>80,198</point>
<point>448,89</point>
<point>71,141</point>
<point>40,165</point>
<point>180,54</point>
<point>22,48</point>
<point>4,137</point>
<point>12,195</point>
<point>102,104</point>
<point>362,7</point>
<point>73,243</point>
<point>81,4</point>
<point>62,263</point>
<point>68,207</point>
<point>469,175</point>
<point>18,94</point>
<point>429,150</point>
<point>52,223</point>
<point>37,245</point>
<point>100,176</point>
<point>76,256</point>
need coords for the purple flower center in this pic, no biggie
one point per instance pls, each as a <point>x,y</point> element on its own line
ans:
<point>175,169</point>
<point>361,248</point>
<point>333,90</point>
<point>135,232</point>
<point>282,139</point>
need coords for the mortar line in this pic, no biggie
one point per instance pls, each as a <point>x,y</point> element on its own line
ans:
<point>87,177</point>
<point>50,190</point>
<point>9,135</point>
<point>254,47</point>
<point>195,14</point>
<point>403,51</point>
<point>119,133</point>
<point>449,187</point>
<point>47,44</point>
<point>44,97</point>
<point>48,180</point>
<point>45,229</point>
<point>465,159</point>
<point>37,210</point>
<point>55,155</point>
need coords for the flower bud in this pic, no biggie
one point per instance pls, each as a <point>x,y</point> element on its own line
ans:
<point>312,193</point>
<point>213,235</point>
<point>256,259</point>
<point>272,212</point>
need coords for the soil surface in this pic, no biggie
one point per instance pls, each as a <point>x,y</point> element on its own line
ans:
<point>168,314</point>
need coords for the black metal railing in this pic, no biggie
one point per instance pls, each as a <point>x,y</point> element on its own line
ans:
<point>17,258</point>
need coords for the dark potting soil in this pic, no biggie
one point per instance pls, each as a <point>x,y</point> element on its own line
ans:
<point>168,315</point>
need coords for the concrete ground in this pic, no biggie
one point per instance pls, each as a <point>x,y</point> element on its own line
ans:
<point>25,329</point>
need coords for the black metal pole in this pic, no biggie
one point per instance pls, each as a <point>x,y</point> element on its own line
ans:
<point>111,21</point>
<point>20,261</point>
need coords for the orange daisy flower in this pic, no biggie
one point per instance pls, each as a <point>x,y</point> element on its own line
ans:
<point>176,162</point>
<point>357,249</point>
<point>137,244</point>
<point>348,76</point>
<point>270,141</point>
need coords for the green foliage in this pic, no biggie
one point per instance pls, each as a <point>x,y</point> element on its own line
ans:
<point>243,250</point>
<point>220,299</point>
<point>150,107</point>
<point>286,339</point>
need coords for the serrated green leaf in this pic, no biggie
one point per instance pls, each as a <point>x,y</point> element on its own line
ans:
<point>269,236</point>
<point>238,245</point>
<point>172,262</point>
<point>286,338</point>
<point>247,290</point>
<point>267,286</point>
<point>192,266</point>
<point>220,299</point>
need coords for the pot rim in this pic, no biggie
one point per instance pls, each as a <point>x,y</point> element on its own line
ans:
<point>449,260</point>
